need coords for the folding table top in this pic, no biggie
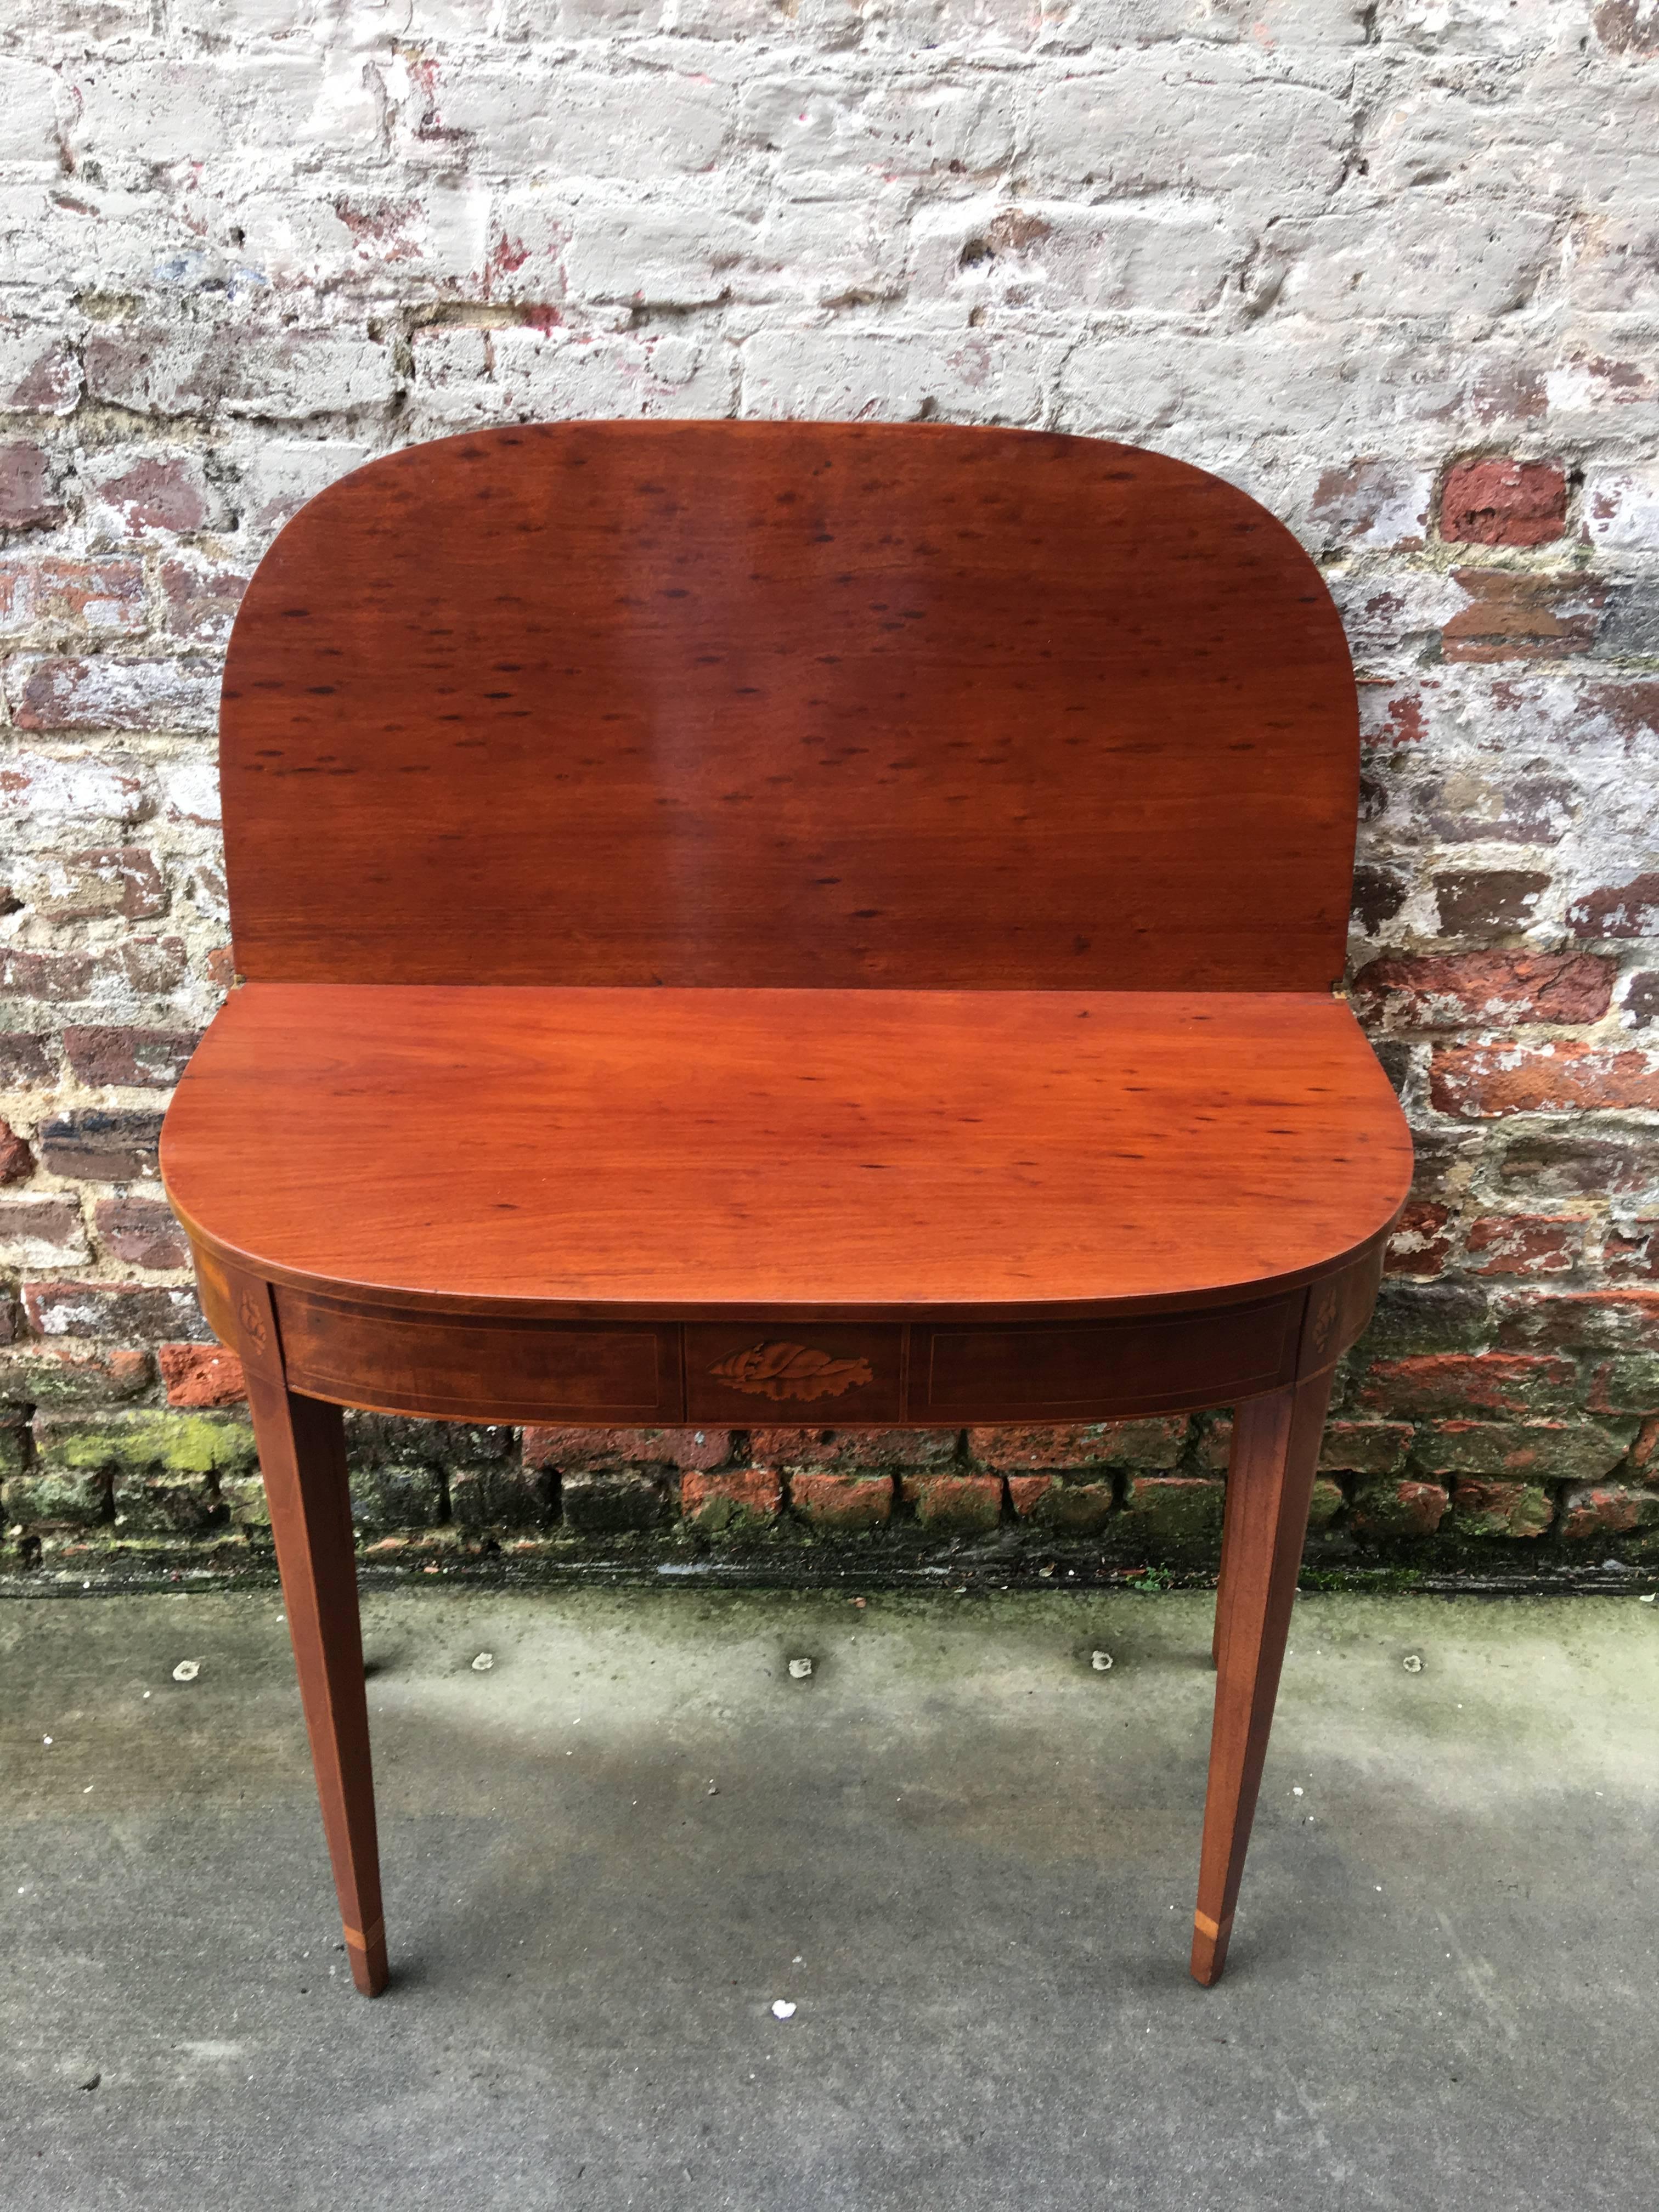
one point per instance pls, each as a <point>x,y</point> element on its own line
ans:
<point>708,1152</point>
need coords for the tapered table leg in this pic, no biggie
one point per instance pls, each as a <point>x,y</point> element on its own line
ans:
<point>1270,1481</point>
<point>302,1457</point>
<point>1230,1518</point>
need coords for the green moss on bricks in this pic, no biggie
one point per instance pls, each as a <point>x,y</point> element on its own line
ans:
<point>185,1443</point>
<point>243,1497</point>
<point>1326,1503</point>
<point>1501,1509</point>
<point>79,1498</point>
<point>384,1499</point>
<point>499,1495</point>
<point>164,1502</point>
<point>1174,1514</point>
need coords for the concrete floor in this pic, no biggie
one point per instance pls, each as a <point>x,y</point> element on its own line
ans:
<point>965,1855</point>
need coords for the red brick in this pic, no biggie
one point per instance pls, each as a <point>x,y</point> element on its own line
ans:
<point>851,1450</point>
<point>605,1450</point>
<point>1450,990</point>
<point>1630,1385</point>
<point>202,599</point>
<point>1174,1509</point>
<point>71,1376</point>
<point>145,1310</point>
<point>72,694</point>
<point>99,1145</point>
<point>25,500</point>
<point>954,1501</point>
<point>1475,901</point>
<point>1523,1244</point>
<point>715,1500</point>
<point>1388,1507</point>
<point>1611,1509</point>
<point>1624,1320</point>
<point>107,880</point>
<point>53,976</point>
<point>1368,497</point>
<point>1461,1382</point>
<point>1501,1509</point>
<point>1504,502</point>
<point>841,1501</point>
<point>1517,615</point>
<point>157,494</point>
<point>1626,27</point>
<point>27,1059</point>
<point>220,966</point>
<point>1481,1082</point>
<point>1545,1451</point>
<point>202,1375</point>
<point>106,595</point>
<point>1629,909</point>
<point>131,1058</point>
<point>1644,1452</point>
<point>1154,1443</point>
<point>1420,1244</point>
<point>1579,1165</point>
<point>1640,1005</point>
<point>17,1160</point>
<point>143,1231</point>
<point>1630,1252</point>
<point>1365,1447</point>
<point>46,1221</point>
<point>1070,1509</point>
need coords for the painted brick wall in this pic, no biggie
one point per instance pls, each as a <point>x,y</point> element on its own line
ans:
<point>1394,267</point>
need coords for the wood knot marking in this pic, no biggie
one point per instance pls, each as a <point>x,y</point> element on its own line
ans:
<point>253,1320</point>
<point>792,1370</point>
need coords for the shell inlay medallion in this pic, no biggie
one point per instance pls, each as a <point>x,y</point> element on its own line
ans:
<point>1325,1315</point>
<point>253,1320</point>
<point>792,1370</point>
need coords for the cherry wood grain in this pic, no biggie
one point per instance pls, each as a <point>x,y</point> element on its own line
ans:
<point>580,781</point>
<point>303,1458</point>
<point>1270,1474</point>
<point>707,1154</point>
<point>788,704</point>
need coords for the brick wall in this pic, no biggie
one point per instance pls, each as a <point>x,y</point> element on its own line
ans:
<point>1394,267</point>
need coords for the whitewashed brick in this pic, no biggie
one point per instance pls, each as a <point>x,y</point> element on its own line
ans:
<point>190,791</point>
<point>836,375</point>
<point>466,376</point>
<point>279,475</point>
<point>819,244</point>
<point>82,792</point>
<point>103,694</point>
<point>1431,257</point>
<point>1621,509</point>
<point>39,372</point>
<point>283,376</point>
<point>32,105</point>
<point>1165,256</point>
<point>571,124</point>
<point>676,251</point>
<point>906,129</point>
<point>143,114</point>
<point>1152,123</point>
<point>1615,262</point>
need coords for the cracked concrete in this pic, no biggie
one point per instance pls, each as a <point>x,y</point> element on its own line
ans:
<point>964,1855</point>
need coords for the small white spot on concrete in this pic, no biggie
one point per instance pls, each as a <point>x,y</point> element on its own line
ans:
<point>1412,1663</point>
<point>484,1662</point>
<point>783,2009</point>
<point>1101,1662</point>
<point>799,1671</point>
<point>187,1670</point>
